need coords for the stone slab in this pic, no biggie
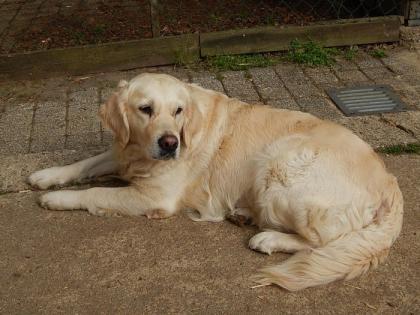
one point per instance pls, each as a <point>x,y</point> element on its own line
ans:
<point>289,104</point>
<point>364,60</point>
<point>377,73</point>
<point>208,81</point>
<point>320,107</point>
<point>343,64</point>
<point>291,74</point>
<point>351,76</point>
<point>323,77</point>
<point>15,129</point>
<point>15,169</point>
<point>408,121</point>
<point>83,112</point>
<point>82,141</point>
<point>70,262</point>
<point>49,128</point>
<point>269,85</point>
<point>304,91</point>
<point>377,132</point>
<point>238,86</point>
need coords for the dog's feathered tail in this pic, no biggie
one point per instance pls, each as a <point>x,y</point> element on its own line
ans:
<point>346,257</point>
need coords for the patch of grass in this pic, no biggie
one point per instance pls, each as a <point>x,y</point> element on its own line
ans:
<point>215,18</point>
<point>350,53</point>
<point>99,30</point>
<point>411,148</point>
<point>311,53</point>
<point>378,53</point>
<point>241,62</point>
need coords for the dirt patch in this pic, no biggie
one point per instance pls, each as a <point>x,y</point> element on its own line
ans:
<point>106,23</point>
<point>110,22</point>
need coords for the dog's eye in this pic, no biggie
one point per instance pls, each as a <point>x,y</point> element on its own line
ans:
<point>178,111</point>
<point>146,110</point>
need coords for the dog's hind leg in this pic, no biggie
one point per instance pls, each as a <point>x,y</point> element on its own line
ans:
<point>102,164</point>
<point>273,241</point>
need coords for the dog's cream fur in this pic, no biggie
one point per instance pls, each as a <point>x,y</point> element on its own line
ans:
<point>315,188</point>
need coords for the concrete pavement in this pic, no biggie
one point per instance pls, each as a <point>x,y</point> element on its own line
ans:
<point>70,262</point>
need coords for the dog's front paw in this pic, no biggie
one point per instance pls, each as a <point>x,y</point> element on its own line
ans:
<point>47,178</point>
<point>61,200</point>
<point>93,210</point>
<point>264,242</point>
<point>157,214</point>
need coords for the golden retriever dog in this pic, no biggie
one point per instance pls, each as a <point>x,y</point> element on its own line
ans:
<point>313,187</point>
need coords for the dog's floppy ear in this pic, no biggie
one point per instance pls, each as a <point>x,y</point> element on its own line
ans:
<point>114,116</point>
<point>192,124</point>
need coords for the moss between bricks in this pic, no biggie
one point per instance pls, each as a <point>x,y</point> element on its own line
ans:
<point>411,148</point>
<point>241,62</point>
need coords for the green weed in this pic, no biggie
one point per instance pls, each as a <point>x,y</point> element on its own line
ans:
<point>99,30</point>
<point>378,53</point>
<point>80,37</point>
<point>311,53</point>
<point>411,148</point>
<point>350,53</point>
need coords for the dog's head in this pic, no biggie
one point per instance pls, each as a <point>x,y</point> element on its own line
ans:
<point>154,112</point>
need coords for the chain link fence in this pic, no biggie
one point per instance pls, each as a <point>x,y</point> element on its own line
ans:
<point>345,9</point>
<point>202,16</point>
<point>80,22</point>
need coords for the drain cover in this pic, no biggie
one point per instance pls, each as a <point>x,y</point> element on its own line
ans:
<point>365,100</point>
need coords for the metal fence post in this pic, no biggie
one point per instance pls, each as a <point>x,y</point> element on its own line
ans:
<point>154,17</point>
<point>413,13</point>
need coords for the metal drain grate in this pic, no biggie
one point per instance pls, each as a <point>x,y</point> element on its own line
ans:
<point>365,100</point>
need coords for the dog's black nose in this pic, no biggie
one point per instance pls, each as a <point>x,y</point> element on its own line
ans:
<point>168,143</point>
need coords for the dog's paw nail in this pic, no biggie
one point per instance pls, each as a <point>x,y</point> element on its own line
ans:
<point>156,214</point>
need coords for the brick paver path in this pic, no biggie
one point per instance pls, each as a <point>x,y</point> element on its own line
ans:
<point>68,120</point>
